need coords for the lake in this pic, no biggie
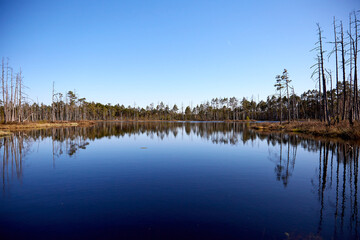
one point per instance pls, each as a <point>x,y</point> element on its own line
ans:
<point>176,180</point>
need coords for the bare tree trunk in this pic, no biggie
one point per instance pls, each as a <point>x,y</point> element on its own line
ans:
<point>84,108</point>
<point>337,75</point>
<point>293,103</point>
<point>331,94</point>
<point>351,98</point>
<point>7,92</point>
<point>288,101</point>
<point>16,96</point>
<point>20,98</point>
<point>53,104</point>
<point>3,87</point>
<point>325,100</point>
<point>12,95</point>
<point>344,75</point>
<point>355,50</point>
<point>61,110</point>
<point>319,73</point>
<point>66,108</point>
<point>280,107</point>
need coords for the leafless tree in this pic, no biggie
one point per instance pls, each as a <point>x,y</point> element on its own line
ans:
<point>343,68</point>
<point>322,71</point>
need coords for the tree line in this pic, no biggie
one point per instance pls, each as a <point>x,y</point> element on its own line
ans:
<point>331,102</point>
<point>71,107</point>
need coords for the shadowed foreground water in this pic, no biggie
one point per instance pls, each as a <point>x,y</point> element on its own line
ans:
<point>173,180</point>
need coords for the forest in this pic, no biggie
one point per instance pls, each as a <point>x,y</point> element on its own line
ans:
<point>336,98</point>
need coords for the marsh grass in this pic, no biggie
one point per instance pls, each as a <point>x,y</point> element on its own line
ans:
<point>6,129</point>
<point>338,130</point>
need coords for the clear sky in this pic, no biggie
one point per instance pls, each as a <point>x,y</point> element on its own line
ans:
<point>172,51</point>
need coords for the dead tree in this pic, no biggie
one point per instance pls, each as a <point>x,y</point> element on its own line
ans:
<point>353,59</point>
<point>331,90</point>
<point>343,68</point>
<point>337,73</point>
<point>286,81</point>
<point>351,98</point>
<point>325,100</point>
<point>53,104</point>
<point>6,103</point>
<point>293,103</point>
<point>11,96</point>
<point>279,86</point>
<point>20,97</point>
<point>317,71</point>
<point>3,88</point>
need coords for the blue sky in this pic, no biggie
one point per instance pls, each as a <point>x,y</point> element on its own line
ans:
<point>172,51</point>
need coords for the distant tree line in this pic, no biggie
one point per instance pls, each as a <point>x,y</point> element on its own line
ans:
<point>331,102</point>
<point>70,107</point>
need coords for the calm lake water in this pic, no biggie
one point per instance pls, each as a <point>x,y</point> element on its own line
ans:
<point>173,180</point>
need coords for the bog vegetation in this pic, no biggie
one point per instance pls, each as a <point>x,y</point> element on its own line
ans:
<point>336,99</point>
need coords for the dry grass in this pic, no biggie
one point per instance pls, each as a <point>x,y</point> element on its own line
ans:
<point>4,133</point>
<point>85,123</point>
<point>339,130</point>
<point>245,121</point>
<point>7,128</point>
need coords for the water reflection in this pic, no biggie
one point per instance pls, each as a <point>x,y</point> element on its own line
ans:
<point>335,179</point>
<point>285,158</point>
<point>13,149</point>
<point>225,133</point>
<point>338,162</point>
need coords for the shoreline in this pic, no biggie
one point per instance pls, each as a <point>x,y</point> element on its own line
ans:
<point>8,128</point>
<point>342,130</point>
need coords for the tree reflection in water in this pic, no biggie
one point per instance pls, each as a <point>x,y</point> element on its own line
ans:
<point>335,184</point>
<point>284,161</point>
<point>338,165</point>
<point>13,149</point>
<point>344,171</point>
